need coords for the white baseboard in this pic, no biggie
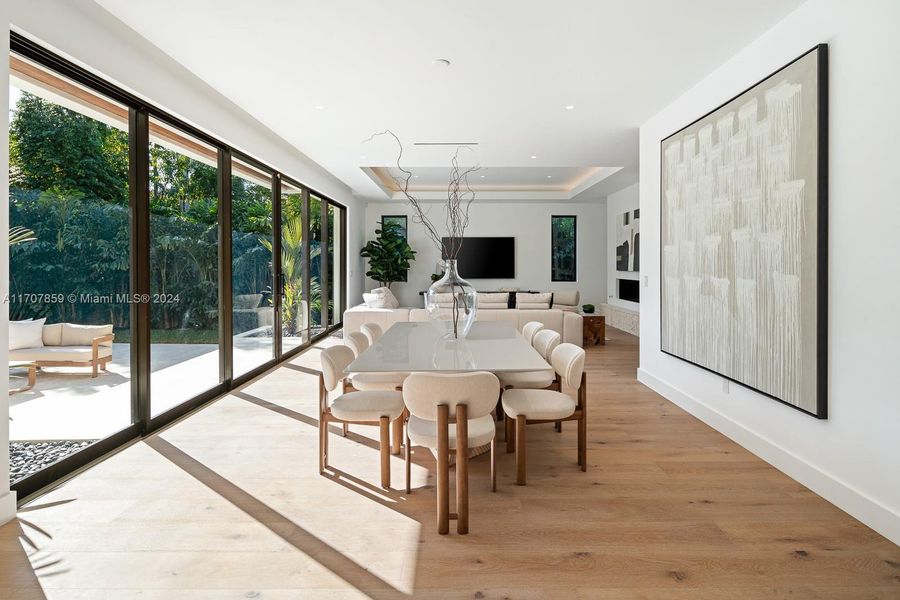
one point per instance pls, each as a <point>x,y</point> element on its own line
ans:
<point>849,499</point>
<point>7,507</point>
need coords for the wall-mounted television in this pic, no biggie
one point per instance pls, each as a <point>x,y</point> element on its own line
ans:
<point>486,257</point>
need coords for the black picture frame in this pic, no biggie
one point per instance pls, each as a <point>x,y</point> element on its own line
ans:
<point>821,228</point>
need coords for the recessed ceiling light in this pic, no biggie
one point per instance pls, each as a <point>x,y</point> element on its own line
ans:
<point>549,176</point>
<point>363,156</point>
<point>533,156</point>
<point>319,107</point>
<point>415,176</point>
<point>570,107</point>
<point>440,63</point>
<point>482,176</point>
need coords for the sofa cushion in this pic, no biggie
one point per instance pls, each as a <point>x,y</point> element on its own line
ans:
<point>569,298</point>
<point>26,334</point>
<point>493,301</point>
<point>381,298</point>
<point>533,301</point>
<point>52,334</point>
<point>83,335</point>
<point>357,316</point>
<point>59,353</point>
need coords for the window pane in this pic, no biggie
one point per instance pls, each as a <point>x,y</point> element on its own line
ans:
<point>562,243</point>
<point>184,273</point>
<point>253,313</point>
<point>294,308</point>
<point>335,250</point>
<point>69,267</point>
<point>315,253</point>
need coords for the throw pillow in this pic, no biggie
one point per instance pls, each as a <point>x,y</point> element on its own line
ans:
<point>26,334</point>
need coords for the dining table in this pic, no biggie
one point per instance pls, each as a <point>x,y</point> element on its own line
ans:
<point>495,346</point>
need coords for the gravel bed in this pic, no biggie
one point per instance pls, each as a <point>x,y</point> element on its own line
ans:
<point>27,458</point>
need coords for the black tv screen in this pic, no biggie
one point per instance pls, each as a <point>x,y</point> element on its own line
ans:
<point>486,257</point>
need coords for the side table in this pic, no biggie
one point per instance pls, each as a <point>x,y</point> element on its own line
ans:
<point>594,328</point>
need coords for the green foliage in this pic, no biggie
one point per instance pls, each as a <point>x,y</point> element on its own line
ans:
<point>389,254</point>
<point>20,235</point>
<point>588,308</point>
<point>52,147</point>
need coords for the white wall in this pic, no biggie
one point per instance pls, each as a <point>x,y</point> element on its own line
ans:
<point>85,33</point>
<point>624,200</point>
<point>529,223</point>
<point>853,458</point>
<point>7,498</point>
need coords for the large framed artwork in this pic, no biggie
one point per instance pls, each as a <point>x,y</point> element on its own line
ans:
<point>628,241</point>
<point>743,240</point>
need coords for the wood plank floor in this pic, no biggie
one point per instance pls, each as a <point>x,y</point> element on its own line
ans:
<point>228,504</point>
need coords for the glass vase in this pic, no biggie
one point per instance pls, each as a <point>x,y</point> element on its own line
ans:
<point>452,302</point>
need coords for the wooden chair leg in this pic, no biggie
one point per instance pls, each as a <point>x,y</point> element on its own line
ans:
<point>520,450</point>
<point>510,435</point>
<point>323,442</point>
<point>385,446</point>
<point>494,465</point>
<point>93,370</point>
<point>396,434</point>
<point>345,429</point>
<point>408,462</point>
<point>582,442</point>
<point>558,427</point>
<point>443,470</point>
<point>462,469</point>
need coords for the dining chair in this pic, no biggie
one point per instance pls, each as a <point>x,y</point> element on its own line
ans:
<point>435,401</point>
<point>372,331</point>
<point>544,341</point>
<point>364,408</point>
<point>372,382</point>
<point>523,407</point>
<point>530,328</point>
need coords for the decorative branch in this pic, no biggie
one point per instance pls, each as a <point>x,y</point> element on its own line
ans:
<point>459,199</point>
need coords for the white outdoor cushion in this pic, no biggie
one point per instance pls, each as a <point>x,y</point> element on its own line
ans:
<point>569,298</point>
<point>538,404</point>
<point>26,334</point>
<point>83,335</point>
<point>367,406</point>
<point>69,353</point>
<point>387,382</point>
<point>533,380</point>
<point>533,301</point>
<point>52,334</point>
<point>423,432</point>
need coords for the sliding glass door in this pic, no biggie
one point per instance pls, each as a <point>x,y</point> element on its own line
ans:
<point>152,267</point>
<point>252,236</point>
<point>184,274</point>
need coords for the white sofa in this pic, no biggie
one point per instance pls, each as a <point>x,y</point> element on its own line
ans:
<point>69,345</point>
<point>568,324</point>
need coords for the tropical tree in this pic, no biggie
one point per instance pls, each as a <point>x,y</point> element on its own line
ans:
<point>292,268</point>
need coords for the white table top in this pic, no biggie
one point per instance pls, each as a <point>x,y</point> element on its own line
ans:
<point>494,346</point>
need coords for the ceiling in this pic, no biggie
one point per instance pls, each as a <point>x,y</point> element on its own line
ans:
<point>536,88</point>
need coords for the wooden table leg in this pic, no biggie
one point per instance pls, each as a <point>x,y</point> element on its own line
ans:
<point>603,331</point>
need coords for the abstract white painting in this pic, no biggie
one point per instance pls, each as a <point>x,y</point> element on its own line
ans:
<point>744,210</point>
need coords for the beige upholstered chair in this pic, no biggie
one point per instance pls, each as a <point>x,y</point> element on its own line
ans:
<point>372,331</point>
<point>358,342</point>
<point>530,328</point>
<point>435,401</point>
<point>544,342</point>
<point>364,408</point>
<point>549,406</point>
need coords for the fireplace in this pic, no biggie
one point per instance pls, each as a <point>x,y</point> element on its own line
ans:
<point>629,289</point>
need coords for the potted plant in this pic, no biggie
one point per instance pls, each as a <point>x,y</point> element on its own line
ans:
<point>389,254</point>
<point>587,308</point>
